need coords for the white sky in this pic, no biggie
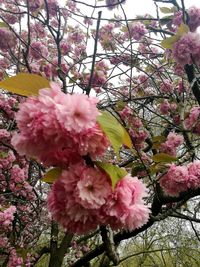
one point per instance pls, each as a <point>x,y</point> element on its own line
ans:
<point>140,7</point>
<point>133,7</point>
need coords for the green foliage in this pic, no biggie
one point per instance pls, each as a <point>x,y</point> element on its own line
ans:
<point>170,41</point>
<point>51,175</point>
<point>115,172</point>
<point>24,84</point>
<point>163,157</point>
<point>167,10</point>
<point>115,132</point>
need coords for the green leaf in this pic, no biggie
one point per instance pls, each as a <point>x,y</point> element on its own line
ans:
<point>51,175</point>
<point>157,141</point>
<point>3,154</point>
<point>163,157</point>
<point>3,24</point>
<point>137,168</point>
<point>126,139</point>
<point>167,10</point>
<point>157,167</point>
<point>115,172</point>
<point>169,42</point>
<point>25,84</point>
<point>183,28</point>
<point>115,132</point>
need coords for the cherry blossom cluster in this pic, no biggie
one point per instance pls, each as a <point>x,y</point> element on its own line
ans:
<point>57,128</point>
<point>181,178</point>
<point>82,198</point>
<point>137,31</point>
<point>136,130</point>
<point>35,5</point>
<point>187,49</point>
<point>61,130</point>
<point>18,217</point>
<point>192,120</point>
<point>194,18</point>
<point>172,143</point>
<point>7,217</point>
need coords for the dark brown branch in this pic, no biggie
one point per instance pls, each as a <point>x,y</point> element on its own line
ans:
<point>94,54</point>
<point>189,69</point>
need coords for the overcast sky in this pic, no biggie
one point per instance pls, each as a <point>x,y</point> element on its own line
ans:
<point>133,7</point>
<point>141,7</point>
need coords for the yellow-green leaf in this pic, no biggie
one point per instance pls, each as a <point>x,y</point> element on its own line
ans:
<point>167,10</point>
<point>183,28</point>
<point>126,139</point>
<point>115,132</point>
<point>25,84</point>
<point>157,141</point>
<point>157,167</point>
<point>51,175</point>
<point>3,154</point>
<point>137,168</point>
<point>169,42</point>
<point>163,157</point>
<point>3,24</point>
<point>115,172</point>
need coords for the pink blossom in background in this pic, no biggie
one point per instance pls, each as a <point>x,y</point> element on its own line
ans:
<point>7,159</point>
<point>165,107</point>
<point>177,19</point>
<point>4,134</point>
<point>111,4</point>
<point>172,143</point>
<point>187,49</point>
<point>35,4</point>
<point>7,39</point>
<point>7,216</point>
<point>194,18</point>
<point>192,121</point>
<point>166,86</point>
<point>181,178</point>
<point>38,50</point>
<point>52,7</point>
<point>14,259</point>
<point>194,174</point>
<point>137,31</point>
<point>175,180</point>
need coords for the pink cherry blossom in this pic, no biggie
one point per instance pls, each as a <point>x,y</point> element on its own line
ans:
<point>76,198</point>
<point>194,174</point>
<point>192,121</point>
<point>137,31</point>
<point>58,128</point>
<point>125,207</point>
<point>93,188</point>
<point>175,180</point>
<point>194,18</point>
<point>38,50</point>
<point>166,87</point>
<point>187,49</point>
<point>172,143</point>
